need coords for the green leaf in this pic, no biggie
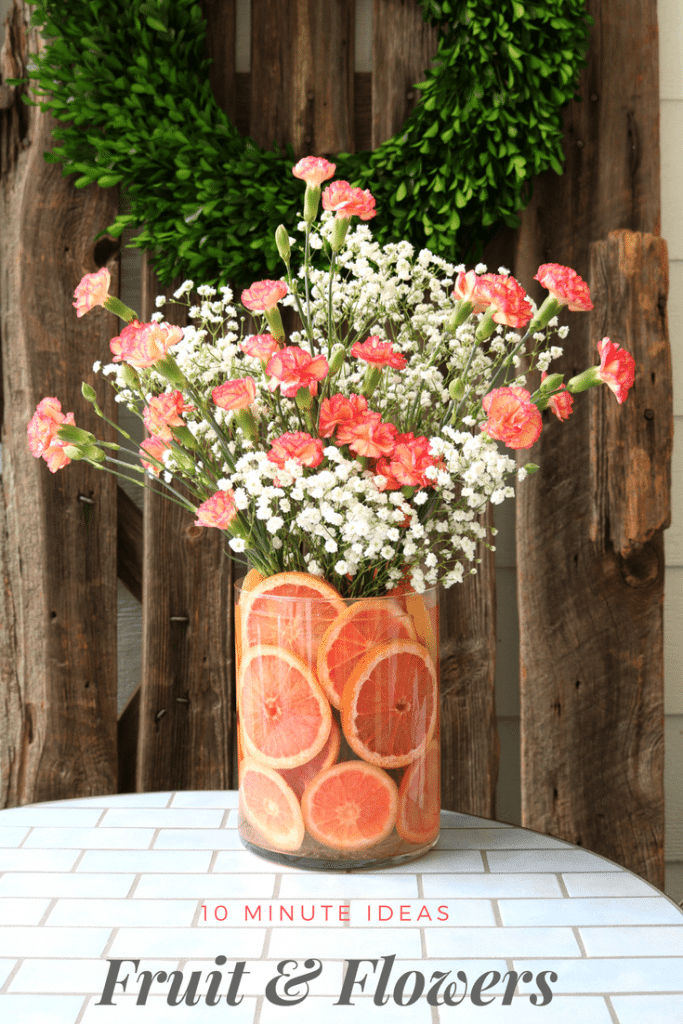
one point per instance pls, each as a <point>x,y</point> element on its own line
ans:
<point>107,180</point>
<point>401,192</point>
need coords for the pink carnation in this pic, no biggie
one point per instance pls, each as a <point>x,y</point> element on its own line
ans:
<point>368,436</point>
<point>142,345</point>
<point>339,410</point>
<point>235,394</point>
<point>292,368</point>
<point>163,412</point>
<point>264,295</point>
<point>510,303</point>
<point>410,459</point>
<point>155,447</point>
<point>42,433</point>
<point>93,290</point>
<point>467,290</point>
<point>346,201</point>
<point>565,286</point>
<point>512,417</point>
<point>219,510</point>
<point>562,403</point>
<point>313,170</point>
<point>378,353</point>
<point>617,368</point>
<point>304,449</point>
<point>260,346</point>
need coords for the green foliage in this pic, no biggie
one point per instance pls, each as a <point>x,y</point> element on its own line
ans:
<point>130,82</point>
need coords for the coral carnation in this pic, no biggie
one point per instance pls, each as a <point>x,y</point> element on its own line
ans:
<point>368,436</point>
<point>510,303</point>
<point>378,353</point>
<point>467,290</point>
<point>304,449</point>
<point>163,412</point>
<point>565,286</point>
<point>313,170</point>
<point>512,417</point>
<point>260,346</point>
<point>155,447</point>
<point>346,201</point>
<point>340,410</point>
<point>617,368</point>
<point>562,403</point>
<point>219,510</point>
<point>264,295</point>
<point>42,433</point>
<point>235,394</point>
<point>142,345</point>
<point>292,368</point>
<point>93,290</point>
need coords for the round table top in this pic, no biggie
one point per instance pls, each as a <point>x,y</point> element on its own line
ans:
<point>96,892</point>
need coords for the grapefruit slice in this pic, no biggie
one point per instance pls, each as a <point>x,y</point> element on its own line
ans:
<point>417,820</point>
<point>425,619</point>
<point>389,704</point>
<point>284,715</point>
<point>290,610</point>
<point>298,778</point>
<point>270,806</point>
<point>350,806</point>
<point>359,628</point>
<point>248,583</point>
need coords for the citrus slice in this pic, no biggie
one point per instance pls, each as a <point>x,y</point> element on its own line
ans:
<point>284,715</point>
<point>425,619</point>
<point>298,778</point>
<point>270,806</point>
<point>359,628</point>
<point>389,704</point>
<point>290,610</point>
<point>350,806</point>
<point>417,820</point>
<point>251,579</point>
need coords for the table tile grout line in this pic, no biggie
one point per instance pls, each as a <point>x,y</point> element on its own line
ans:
<point>487,869</point>
<point>11,976</point>
<point>84,1007</point>
<point>109,943</point>
<point>611,1010</point>
<point>561,883</point>
<point>257,1011</point>
<point>50,907</point>
<point>212,863</point>
<point>21,844</point>
<point>170,800</point>
<point>78,860</point>
<point>497,916</point>
<point>155,836</point>
<point>133,886</point>
<point>579,941</point>
<point>226,818</point>
<point>99,820</point>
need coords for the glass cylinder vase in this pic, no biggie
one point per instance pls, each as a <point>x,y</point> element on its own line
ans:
<point>337,723</point>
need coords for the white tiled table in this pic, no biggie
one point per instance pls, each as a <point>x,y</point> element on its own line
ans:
<point>83,882</point>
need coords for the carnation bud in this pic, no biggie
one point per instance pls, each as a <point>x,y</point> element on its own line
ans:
<point>72,452</point>
<point>339,229</point>
<point>93,453</point>
<point>456,389</point>
<point>311,203</point>
<point>336,360</point>
<point>169,369</point>
<point>304,399</point>
<point>184,462</point>
<point>459,315</point>
<point>74,435</point>
<point>88,392</point>
<point>531,467</point>
<point>185,436</point>
<point>119,308</point>
<point>583,381</point>
<point>130,376</point>
<point>552,382</point>
<point>282,243</point>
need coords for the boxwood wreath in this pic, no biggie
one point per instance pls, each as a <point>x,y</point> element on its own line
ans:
<point>131,82</point>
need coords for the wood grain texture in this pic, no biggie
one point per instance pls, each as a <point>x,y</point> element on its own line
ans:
<point>469,739</point>
<point>58,643</point>
<point>186,716</point>
<point>220,47</point>
<point>591,582</point>
<point>591,665</point>
<point>302,75</point>
<point>402,49</point>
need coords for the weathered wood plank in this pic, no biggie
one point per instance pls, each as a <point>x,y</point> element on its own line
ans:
<point>129,545</point>
<point>220,47</point>
<point>469,739</point>
<point>611,181</point>
<point>302,75</point>
<point>590,529</point>
<point>402,49</point>
<point>186,717</point>
<point>59,556</point>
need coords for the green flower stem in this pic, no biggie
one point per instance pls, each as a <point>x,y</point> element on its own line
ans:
<point>206,413</point>
<point>333,266</point>
<point>184,504</point>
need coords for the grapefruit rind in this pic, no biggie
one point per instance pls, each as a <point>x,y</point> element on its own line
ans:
<point>416,789</point>
<point>270,806</point>
<point>279,700</point>
<point>366,624</point>
<point>339,806</point>
<point>358,691</point>
<point>299,778</point>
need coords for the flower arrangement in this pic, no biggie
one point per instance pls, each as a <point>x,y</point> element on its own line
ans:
<point>363,447</point>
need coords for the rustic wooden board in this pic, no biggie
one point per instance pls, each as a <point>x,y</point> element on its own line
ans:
<point>58,557</point>
<point>302,75</point>
<point>591,583</point>
<point>584,746</point>
<point>129,545</point>
<point>402,49</point>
